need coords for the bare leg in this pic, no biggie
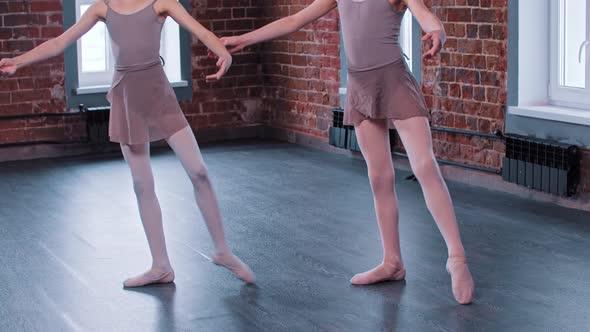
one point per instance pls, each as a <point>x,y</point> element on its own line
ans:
<point>373,138</point>
<point>138,159</point>
<point>186,148</point>
<point>416,137</point>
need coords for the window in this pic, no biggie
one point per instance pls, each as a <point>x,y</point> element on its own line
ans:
<point>569,69</point>
<point>547,92</point>
<point>548,72</point>
<point>405,38</point>
<point>95,59</point>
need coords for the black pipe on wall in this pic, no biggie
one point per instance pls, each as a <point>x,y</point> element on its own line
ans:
<point>454,163</point>
<point>496,135</point>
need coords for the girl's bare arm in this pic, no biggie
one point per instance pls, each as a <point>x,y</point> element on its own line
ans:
<point>281,27</point>
<point>57,45</point>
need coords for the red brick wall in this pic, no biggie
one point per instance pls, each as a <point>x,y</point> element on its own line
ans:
<point>236,99</point>
<point>38,89</point>
<point>465,87</point>
<point>301,72</point>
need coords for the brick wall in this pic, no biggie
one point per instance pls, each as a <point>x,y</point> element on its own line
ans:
<point>236,99</point>
<point>465,88</point>
<point>301,72</point>
<point>38,89</point>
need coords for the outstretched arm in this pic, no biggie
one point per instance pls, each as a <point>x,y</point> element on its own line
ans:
<point>57,45</point>
<point>281,27</point>
<point>433,27</point>
<point>175,10</point>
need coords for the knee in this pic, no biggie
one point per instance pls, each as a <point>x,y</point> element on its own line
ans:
<point>198,174</point>
<point>382,180</point>
<point>425,168</point>
<point>143,187</point>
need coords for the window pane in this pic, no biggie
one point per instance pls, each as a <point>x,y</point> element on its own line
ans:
<point>571,35</point>
<point>94,47</point>
<point>405,37</point>
<point>170,50</point>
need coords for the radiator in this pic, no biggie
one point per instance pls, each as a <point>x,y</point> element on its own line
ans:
<point>97,124</point>
<point>338,133</point>
<point>542,165</point>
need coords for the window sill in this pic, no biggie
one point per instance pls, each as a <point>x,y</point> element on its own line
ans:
<point>553,113</point>
<point>105,88</point>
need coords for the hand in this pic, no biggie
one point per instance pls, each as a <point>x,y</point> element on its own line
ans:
<point>437,37</point>
<point>233,43</point>
<point>7,67</point>
<point>223,63</point>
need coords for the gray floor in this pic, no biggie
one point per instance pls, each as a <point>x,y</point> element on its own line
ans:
<point>304,220</point>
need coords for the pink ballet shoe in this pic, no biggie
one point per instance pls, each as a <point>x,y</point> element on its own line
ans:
<point>147,278</point>
<point>463,285</point>
<point>235,265</point>
<point>381,273</point>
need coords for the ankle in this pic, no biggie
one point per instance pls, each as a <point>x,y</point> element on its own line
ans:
<point>457,252</point>
<point>393,262</point>
<point>457,258</point>
<point>222,250</point>
<point>161,267</point>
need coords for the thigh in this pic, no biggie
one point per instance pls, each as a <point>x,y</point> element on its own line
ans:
<point>373,138</point>
<point>185,146</point>
<point>416,137</point>
<point>137,157</point>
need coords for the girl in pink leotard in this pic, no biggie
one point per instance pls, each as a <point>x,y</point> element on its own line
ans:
<point>381,90</point>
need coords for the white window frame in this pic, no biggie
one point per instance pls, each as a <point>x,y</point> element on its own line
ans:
<point>561,95</point>
<point>405,37</point>
<point>98,82</point>
<point>534,68</point>
<point>94,79</point>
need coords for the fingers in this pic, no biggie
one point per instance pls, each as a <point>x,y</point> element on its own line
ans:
<point>2,62</point>
<point>223,67</point>
<point>211,78</point>
<point>216,76</point>
<point>436,45</point>
<point>428,55</point>
<point>235,49</point>
<point>228,41</point>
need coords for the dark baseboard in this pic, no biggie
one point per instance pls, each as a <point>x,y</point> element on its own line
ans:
<point>44,151</point>
<point>286,135</point>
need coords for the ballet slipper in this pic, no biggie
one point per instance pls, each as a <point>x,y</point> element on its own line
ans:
<point>462,281</point>
<point>383,272</point>
<point>152,276</point>
<point>235,265</point>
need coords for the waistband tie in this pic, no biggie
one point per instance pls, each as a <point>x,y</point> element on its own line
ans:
<point>139,66</point>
